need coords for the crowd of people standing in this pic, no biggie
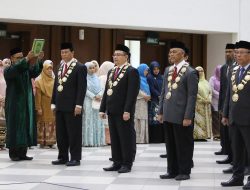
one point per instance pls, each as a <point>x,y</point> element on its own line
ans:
<point>117,104</point>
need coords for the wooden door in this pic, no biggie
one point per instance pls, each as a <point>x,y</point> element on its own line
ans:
<point>159,53</point>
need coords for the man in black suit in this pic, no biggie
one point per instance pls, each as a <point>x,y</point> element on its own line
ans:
<point>67,100</point>
<point>118,103</point>
<point>225,71</point>
<point>236,114</point>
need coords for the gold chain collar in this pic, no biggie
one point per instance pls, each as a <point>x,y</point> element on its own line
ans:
<point>240,86</point>
<point>118,78</point>
<point>177,79</point>
<point>63,79</point>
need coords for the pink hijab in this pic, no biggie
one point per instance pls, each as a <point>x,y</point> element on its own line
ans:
<point>2,80</point>
<point>216,78</point>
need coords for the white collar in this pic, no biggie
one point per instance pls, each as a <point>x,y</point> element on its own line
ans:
<point>179,65</point>
<point>121,66</point>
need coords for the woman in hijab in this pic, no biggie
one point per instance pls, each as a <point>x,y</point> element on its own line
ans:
<point>46,133</point>
<point>141,107</point>
<point>155,80</point>
<point>102,73</point>
<point>214,82</point>
<point>2,102</point>
<point>96,66</point>
<point>93,128</point>
<point>202,120</point>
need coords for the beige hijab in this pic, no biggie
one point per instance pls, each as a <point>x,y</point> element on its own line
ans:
<point>45,82</point>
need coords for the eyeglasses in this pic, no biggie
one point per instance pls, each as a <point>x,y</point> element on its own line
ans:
<point>118,54</point>
<point>241,52</point>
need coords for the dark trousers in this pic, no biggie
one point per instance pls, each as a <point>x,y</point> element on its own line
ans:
<point>225,140</point>
<point>123,140</point>
<point>17,152</point>
<point>240,147</point>
<point>69,135</point>
<point>156,133</point>
<point>180,147</point>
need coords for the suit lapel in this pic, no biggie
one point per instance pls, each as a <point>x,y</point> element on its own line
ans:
<point>245,73</point>
<point>237,76</point>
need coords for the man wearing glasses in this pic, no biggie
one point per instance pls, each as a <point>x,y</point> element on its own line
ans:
<point>19,103</point>
<point>236,114</point>
<point>118,103</point>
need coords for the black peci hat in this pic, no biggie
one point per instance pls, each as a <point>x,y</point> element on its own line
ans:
<point>230,46</point>
<point>123,48</point>
<point>187,51</point>
<point>243,44</point>
<point>177,44</point>
<point>67,45</point>
<point>15,50</point>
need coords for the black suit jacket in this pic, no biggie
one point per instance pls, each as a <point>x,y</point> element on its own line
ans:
<point>124,94</point>
<point>238,112</point>
<point>74,90</point>
<point>223,86</point>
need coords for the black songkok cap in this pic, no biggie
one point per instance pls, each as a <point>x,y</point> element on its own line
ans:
<point>177,44</point>
<point>236,45</point>
<point>186,51</point>
<point>67,45</point>
<point>230,46</point>
<point>15,50</point>
<point>243,44</point>
<point>122,47</point>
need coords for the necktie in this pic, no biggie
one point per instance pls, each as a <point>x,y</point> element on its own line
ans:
<point>116,73</point>
<point>174,75</point>
<point>65,68</point>
<point>242,70</point>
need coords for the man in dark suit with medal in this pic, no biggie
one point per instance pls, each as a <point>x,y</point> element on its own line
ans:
<point>118,103</point>
<point>176,111</point>
<point>236,114</point>
<point>67,100</point>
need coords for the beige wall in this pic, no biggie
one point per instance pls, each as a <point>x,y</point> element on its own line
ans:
<point>216,50</point>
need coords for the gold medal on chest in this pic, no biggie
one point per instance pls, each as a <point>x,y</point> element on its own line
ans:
<point>177,79</point>
<point>169,78</point>
<point>233,77</point>
<point>235,97</point>
<point>247,77</point>
<point>234,88</point>
<point>240,86</point>
<point>183,70</point>
<point>64,79</point>
<point>109,92</point>
<point>175,85</point>
<point>60,88</point>
<point>121,75</point>
<point>168,95</point>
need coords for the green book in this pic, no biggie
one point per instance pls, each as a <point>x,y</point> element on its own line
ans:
<point>37,46</point>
